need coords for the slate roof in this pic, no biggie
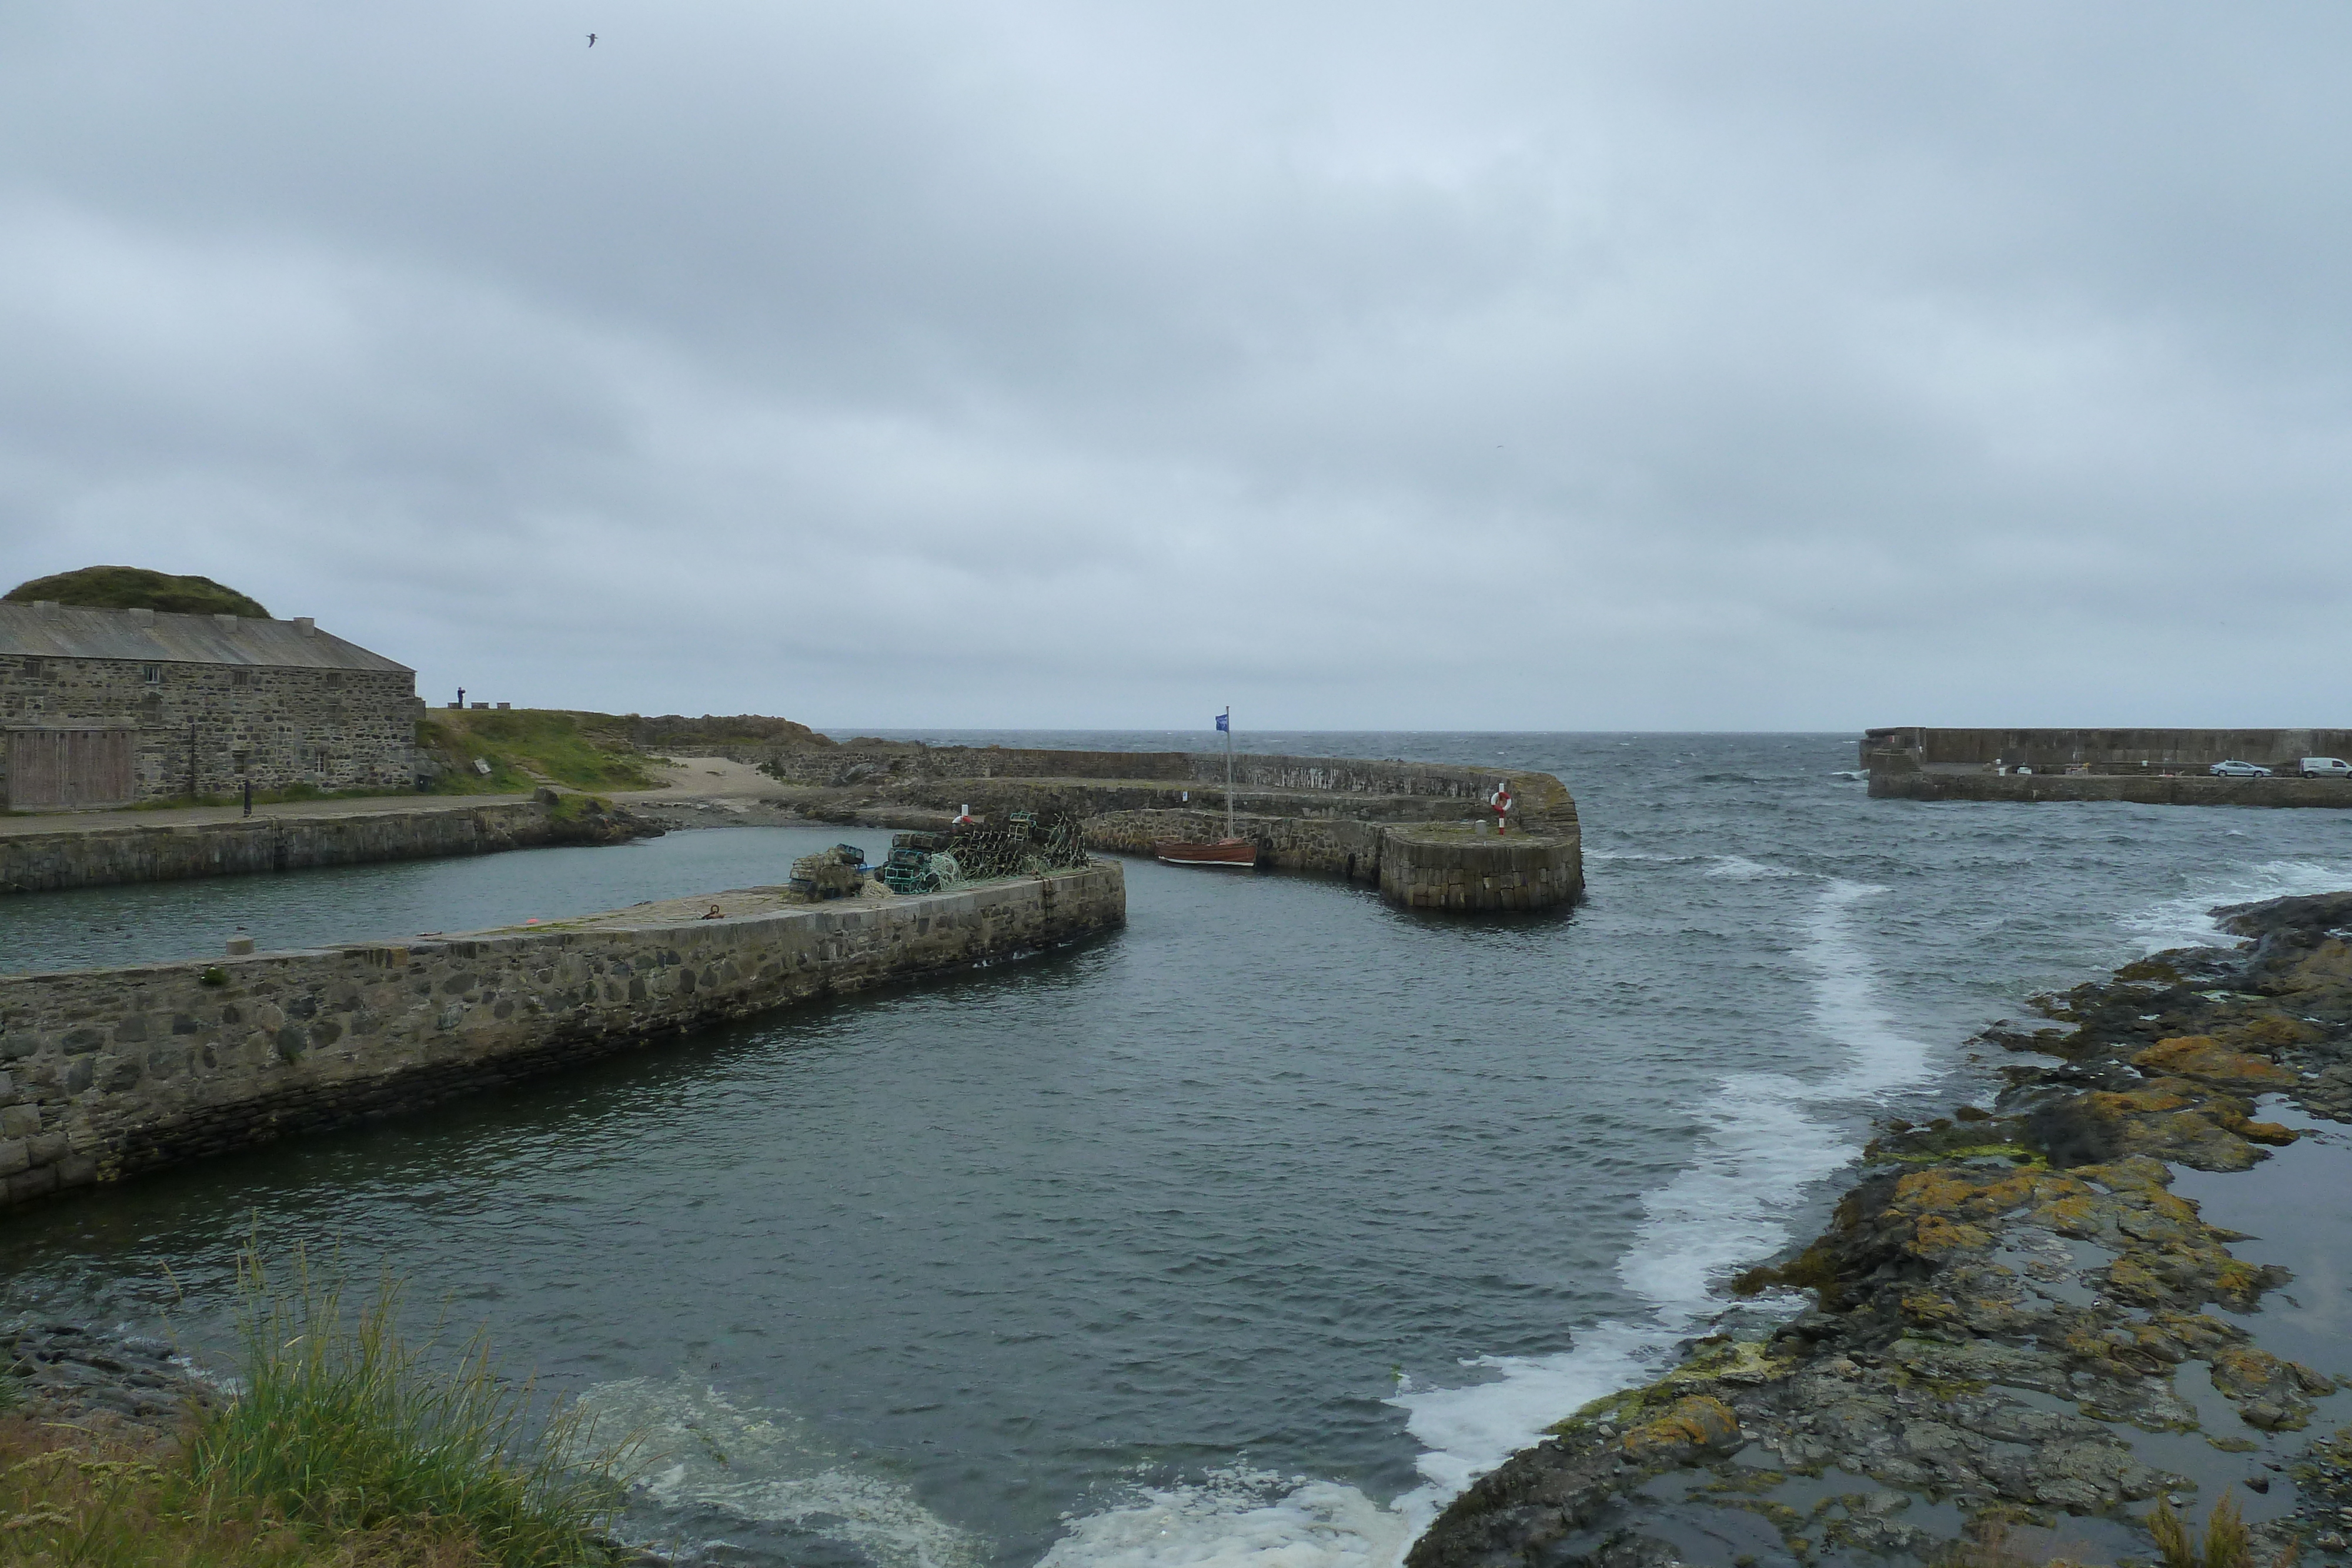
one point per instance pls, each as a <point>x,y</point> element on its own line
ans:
<point>70,631</point>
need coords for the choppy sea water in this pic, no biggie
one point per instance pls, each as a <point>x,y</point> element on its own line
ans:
<point>1251,1232</point>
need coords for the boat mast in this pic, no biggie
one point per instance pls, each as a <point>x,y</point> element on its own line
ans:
<point>1228,727</point>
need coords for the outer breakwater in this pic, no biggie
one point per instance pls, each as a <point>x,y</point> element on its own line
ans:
<point>126,849</point>
<point>2010,1337</point>
<point>105,1073</point>
<point>1902,747</point>
<point>1399,826</point>
<point>2189,789</point>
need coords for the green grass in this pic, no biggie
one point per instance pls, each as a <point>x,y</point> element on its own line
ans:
<point>343,1426</point>
<point>136,588</point>
<point>346,1448</point>
<point>523,746</point>
<point>73,1496</point>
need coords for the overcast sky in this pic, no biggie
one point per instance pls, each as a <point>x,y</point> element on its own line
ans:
<point>1494,366</point>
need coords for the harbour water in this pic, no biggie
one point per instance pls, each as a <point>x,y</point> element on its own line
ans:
<point>1247,1233</point>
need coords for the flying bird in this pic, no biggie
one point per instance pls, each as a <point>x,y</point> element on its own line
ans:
<point>592,40</point>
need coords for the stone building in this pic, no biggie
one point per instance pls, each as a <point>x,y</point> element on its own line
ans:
<point>104,707</point>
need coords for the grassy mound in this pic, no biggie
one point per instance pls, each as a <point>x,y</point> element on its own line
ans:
<point>530,746</point>
<point>135,588</point>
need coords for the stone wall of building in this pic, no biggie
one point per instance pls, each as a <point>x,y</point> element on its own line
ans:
<point>222,724</point>
<point>105,1073</point>
<point>278,840</point>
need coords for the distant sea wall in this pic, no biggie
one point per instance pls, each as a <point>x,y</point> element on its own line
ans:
<point>1905,748</point>
<point>1354,787</point>
<point>132,850</point>
<point>2192,790</point>
<point>105,1073</point>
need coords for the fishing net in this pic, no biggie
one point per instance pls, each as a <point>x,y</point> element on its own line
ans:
<point>1024,844</point>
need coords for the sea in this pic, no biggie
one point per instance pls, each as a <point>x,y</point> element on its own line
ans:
<point>1248,1234</point>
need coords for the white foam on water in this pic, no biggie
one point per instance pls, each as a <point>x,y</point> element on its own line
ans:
<point>1739,868</point>
<point>2187,921</point>
<point>1469,1429</point>
<point>766,1466</point>
<point>1759,1145</point>
<point>1235,1518</point>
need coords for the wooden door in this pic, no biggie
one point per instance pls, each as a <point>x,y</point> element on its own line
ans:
<point>69,767</point>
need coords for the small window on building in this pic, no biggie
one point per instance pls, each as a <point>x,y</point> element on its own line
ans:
<point>152,675</point>
<point>35,670</point>
<point>334,679</point>
<point>240,677</point>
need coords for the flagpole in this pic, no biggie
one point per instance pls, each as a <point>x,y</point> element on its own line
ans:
<point>1228,727</point>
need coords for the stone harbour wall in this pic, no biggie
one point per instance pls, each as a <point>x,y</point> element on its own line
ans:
<point>1114,780</point>
<point>105,1073</point>
<point>1335,845</point>
<point>1452,869</point>
<point>1418,865</point>
<point>92,857</point>
<point>2194,789</point>
<point>1901,748</point>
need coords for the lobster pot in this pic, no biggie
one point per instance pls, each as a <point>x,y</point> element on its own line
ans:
<point>827,874</point>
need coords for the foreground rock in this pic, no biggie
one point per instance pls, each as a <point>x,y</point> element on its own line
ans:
<point>2006,1313</point>
<point>131,1385</point>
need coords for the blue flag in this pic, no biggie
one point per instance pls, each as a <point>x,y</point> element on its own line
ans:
<point>1222,723</point>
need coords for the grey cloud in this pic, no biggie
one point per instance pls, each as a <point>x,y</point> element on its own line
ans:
<point>1607,366</point>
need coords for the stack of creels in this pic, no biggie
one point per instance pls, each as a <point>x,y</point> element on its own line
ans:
<point>837,872</point>
<point>909,869</point>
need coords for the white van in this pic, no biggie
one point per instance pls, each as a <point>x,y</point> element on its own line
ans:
<point>2324,768</point>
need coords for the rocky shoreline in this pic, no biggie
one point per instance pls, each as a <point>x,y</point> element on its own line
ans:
<point>130,1384</point>
<point>2017,1335</point>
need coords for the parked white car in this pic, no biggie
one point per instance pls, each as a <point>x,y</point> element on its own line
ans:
<point>2324,767</point>
<point>2233,769</point>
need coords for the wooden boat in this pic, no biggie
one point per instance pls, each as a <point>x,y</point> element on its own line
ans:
<point>1231,850</point>
<point>1224,851</point>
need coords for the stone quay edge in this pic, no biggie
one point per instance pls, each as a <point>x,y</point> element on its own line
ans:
<point>126,849</point>
<point>108,1073</point>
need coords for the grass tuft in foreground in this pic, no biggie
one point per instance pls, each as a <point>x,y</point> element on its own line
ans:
<point>70,1498</point>
<point>343,1426</point>
<point>347,1447</point>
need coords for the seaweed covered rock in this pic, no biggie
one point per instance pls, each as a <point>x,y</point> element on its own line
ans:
<point>1999,1305</point>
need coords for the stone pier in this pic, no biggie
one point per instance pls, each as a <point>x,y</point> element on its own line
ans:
<point>1418,865</point>
<point>1442,866</point>
<point>122,848</point>
<point>105,1073</point>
